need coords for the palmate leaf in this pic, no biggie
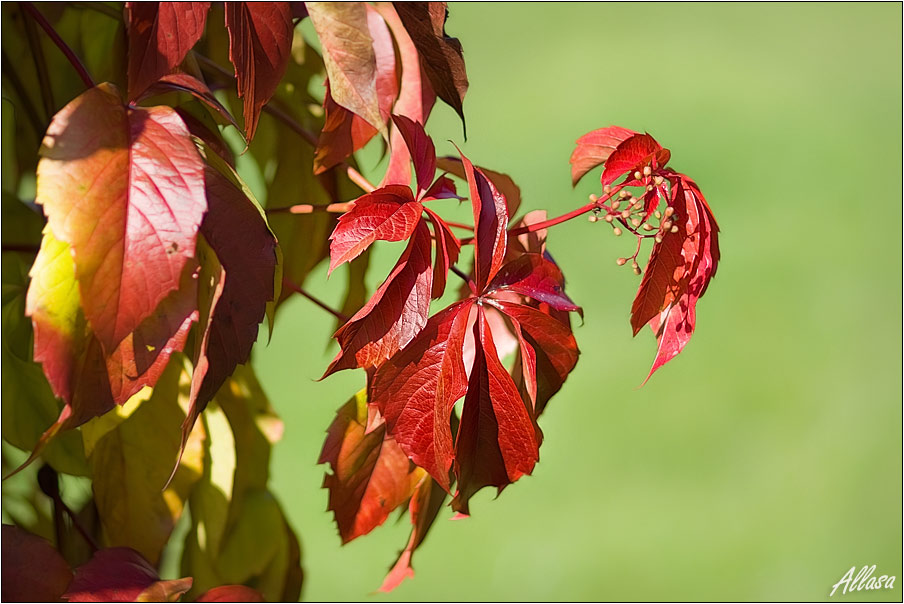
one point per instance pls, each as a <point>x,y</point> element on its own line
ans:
<point>594,148</point>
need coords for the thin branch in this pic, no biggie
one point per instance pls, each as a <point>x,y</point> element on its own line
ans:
<point>37,55</point>
<point>465,277</point>
<point>64,48</point>
<point>288,284</point>
<point>307,208</point>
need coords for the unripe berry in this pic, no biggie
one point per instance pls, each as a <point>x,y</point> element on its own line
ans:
<point>608,217</point>
<point>626,214</point>
<point>674,229</point>
<point>669,211</point>
<point>621,261</point>
<point>615,204</point>
<point>657,214</point>
<point>635,222</point>
<point>616,231</point>
<point>647,170</point>
<point>648,227</point>
<point>666,225</point>
<point>658,238</point>
<point>637,175</point>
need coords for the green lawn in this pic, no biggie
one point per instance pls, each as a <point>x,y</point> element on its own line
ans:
<point>766,460</point>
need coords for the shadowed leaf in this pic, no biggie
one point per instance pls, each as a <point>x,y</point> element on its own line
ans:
<point>33,571</point>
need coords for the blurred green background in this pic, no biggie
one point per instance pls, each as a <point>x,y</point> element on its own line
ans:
<point>764,461</point>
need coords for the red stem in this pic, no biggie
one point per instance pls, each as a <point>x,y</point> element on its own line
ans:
<point>287,283</point>
<point>64,48</point>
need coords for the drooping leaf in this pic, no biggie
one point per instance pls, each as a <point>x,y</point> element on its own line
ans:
<point>160,35</point>
<point>490,223</point>
<point>441,56</point>
<point>416,96</point>
<point>420,147</point>
<point>387,214</point>
<point>395,313</point>
<point>260,39</point>
<point>594,148</point>
<point>120,574</point>
<point>497,440</point>
<point>371,475</point>
<point>124,187</point>
<point>678,273</point>
<point>348,52</point>
<point>503,182</point>
<point>345,132</point>
<point>416,389</point>
<point>423,508</point>
<point>183,82</point>
<point>33,571</point>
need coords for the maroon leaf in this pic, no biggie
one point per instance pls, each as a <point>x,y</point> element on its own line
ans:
<point>260,38</point>
<point>497,439</point>
<point>395,313</point>
<point>594,148</point>
<point>371,474</point>
<point>447,249</point>
<point>182,82</point>
<point>117,574</point>
<point>246,250</point>
<point>160,35</point>
<point>421,149</point>
<point>441,56</point>
<point>537,277</point>
<point>423,508</point>
<point>442,188</point>
<point>125,188</point>
<point>503,182</point>
<point>231,593</point>
<point>631,154</point>
<point>387,214</point>
<point>693,255</point>
<point>490,222</point>
<point>33,571</point>
<point>416,389</point>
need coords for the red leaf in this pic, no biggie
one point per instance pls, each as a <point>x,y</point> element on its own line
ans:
<point>124,188</point>
<point>416,389</point>
<point>141,356</point>
<point>182,82</point>
<point>387,214</point>
<point>416,97</point>
<point>421,149</point>
<point>349,56</point>
<point>395,313</point>
<point>537,277</point>
<point>423,508</point>
<point>160,35</point>
<point>502,182</point>
<point>552,346</point>
<point>442,188</point>
<point>231,593</point>
<point>447,249</point>
<point>631,154</point>
<point>441,56</point>
<point>33,571</point>
<point>260,39</point>
<point>678,273</point>
<point>490,222</point>
<point>594,148</point>
<point>345,132</point>
<point>117,574</point>
<point>371,474</point>
<point>497,439</point>
<point>246,250</point>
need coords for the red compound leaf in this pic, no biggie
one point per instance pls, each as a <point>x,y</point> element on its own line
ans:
<point>594,148</point>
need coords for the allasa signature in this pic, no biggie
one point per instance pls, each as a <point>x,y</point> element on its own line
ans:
<point>863,580</point>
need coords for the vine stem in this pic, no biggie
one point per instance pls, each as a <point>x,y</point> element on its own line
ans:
<point>539,226</point>
<point>289,284</point>
<point>307,208</point>
<point>64,48</point>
